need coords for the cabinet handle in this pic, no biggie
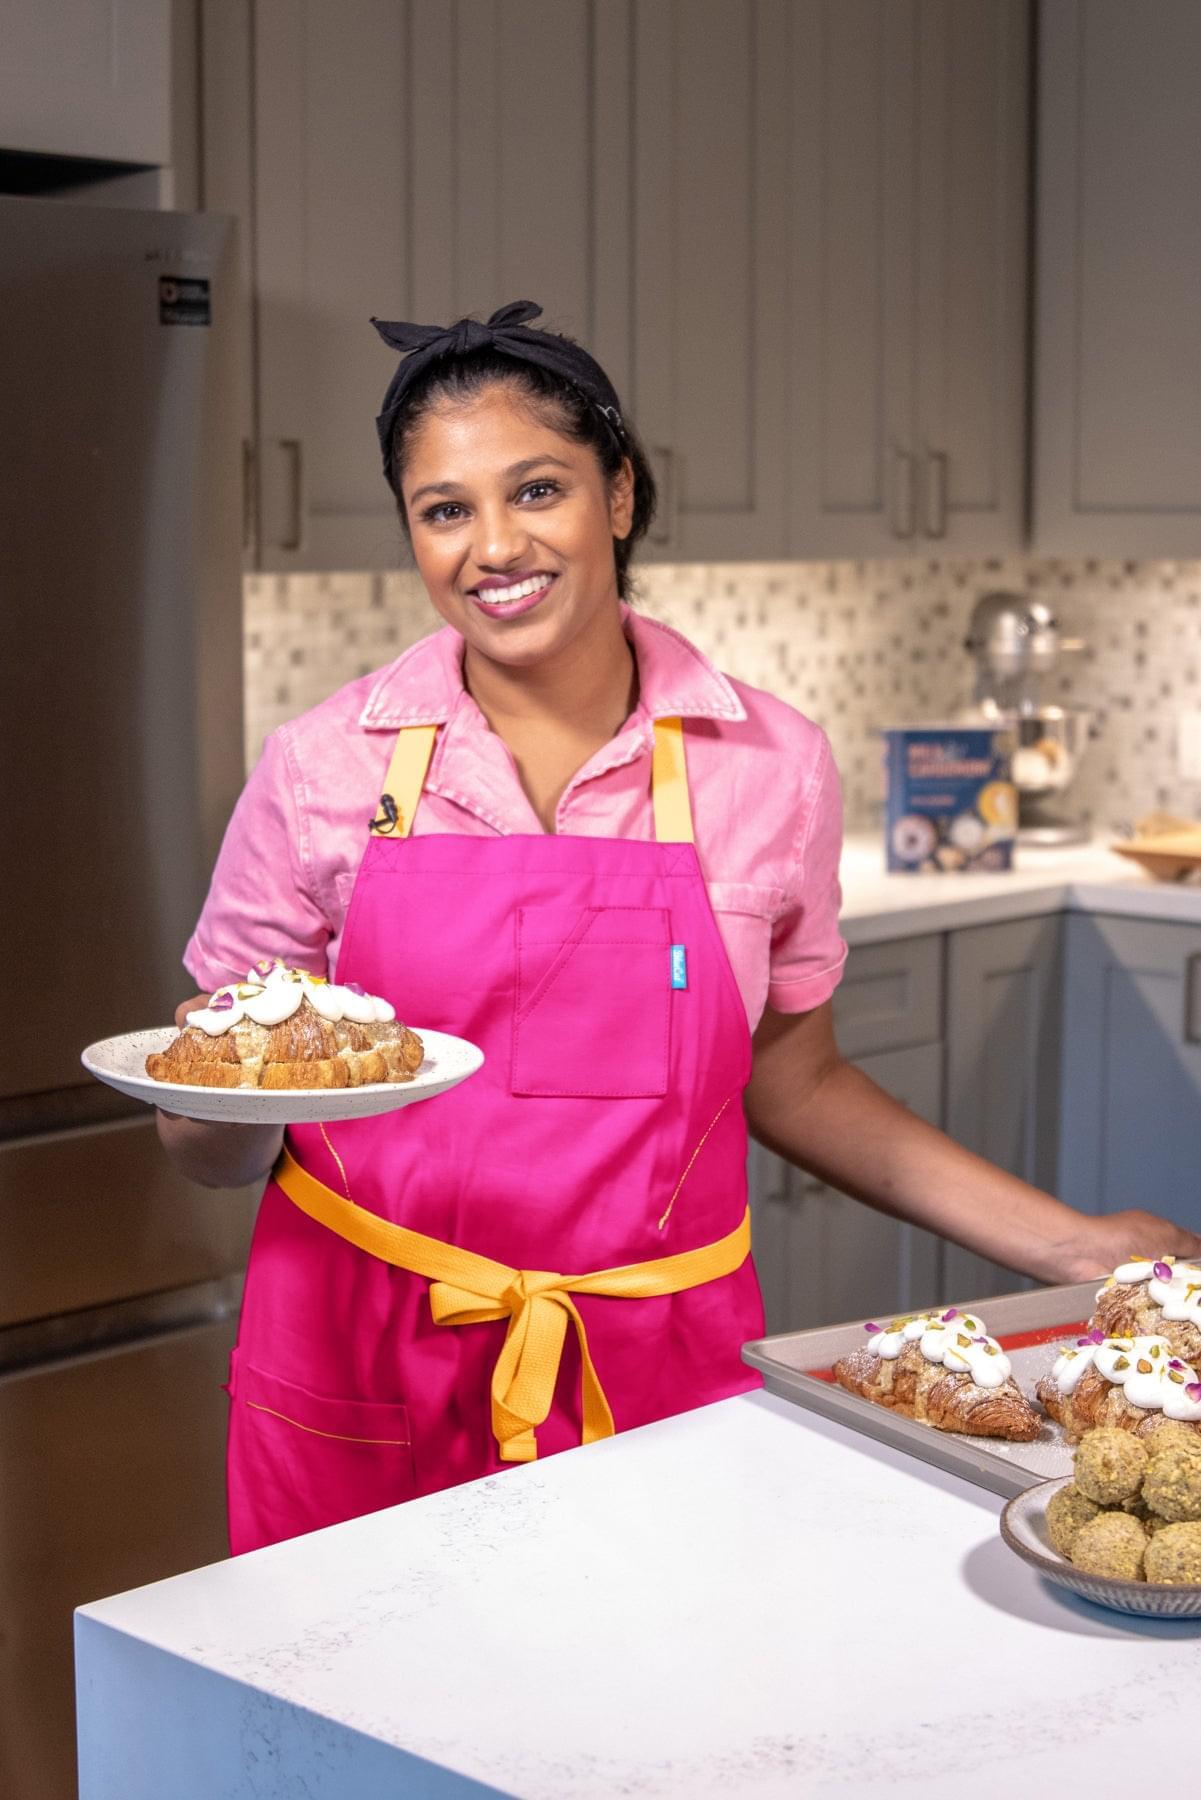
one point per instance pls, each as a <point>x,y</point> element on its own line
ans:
<point>663,462</point>
<point>292,449</point>
<point>903,498</point>
<point>1191,1033</point>
<point>248,508</point>
<point>936,493</point>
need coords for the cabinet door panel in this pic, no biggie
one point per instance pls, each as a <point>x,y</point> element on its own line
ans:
<point>1004,988</point>
<point>851,277</point>
<point>822,1257</point>
<point>1131,1125</point>
<point>971,278</point>
<point>707,281</point>
<point>890,996</point>
<point>1118,423</point>
<point>92,79</point>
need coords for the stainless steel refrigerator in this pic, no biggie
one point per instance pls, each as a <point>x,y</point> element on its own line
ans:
<point>120,757</point>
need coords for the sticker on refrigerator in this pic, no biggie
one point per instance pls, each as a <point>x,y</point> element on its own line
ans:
<point>183,300</point>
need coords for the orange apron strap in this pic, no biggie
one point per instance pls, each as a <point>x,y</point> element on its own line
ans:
<point>468,1289</point>
<point>669,784</point>
<point>415,745</point>
<point>404,781</point>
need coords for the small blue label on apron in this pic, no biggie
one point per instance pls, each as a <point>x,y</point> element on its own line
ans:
<point>679,966</point>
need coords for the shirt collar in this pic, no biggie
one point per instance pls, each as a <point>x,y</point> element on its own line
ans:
<point>425,685</point>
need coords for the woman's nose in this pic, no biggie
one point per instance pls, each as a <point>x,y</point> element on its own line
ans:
<point>502,538</point>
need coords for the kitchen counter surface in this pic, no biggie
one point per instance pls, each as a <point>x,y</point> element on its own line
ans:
<point>745,1600</point>
<point>1083,878</point>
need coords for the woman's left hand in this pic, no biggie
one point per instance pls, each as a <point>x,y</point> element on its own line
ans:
<point>1103,1243</point>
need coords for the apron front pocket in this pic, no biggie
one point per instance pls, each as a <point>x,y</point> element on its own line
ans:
<point>592,1012</point>
<point>301,1460</point>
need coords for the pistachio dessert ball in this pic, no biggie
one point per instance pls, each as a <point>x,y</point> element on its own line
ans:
<point>1110,1466</point>
<point>1174,1555</point>
<point>1112,1544</point>
<point>1171,1431</point>
<point>1067,1511</point>
<point>1172,1485</point>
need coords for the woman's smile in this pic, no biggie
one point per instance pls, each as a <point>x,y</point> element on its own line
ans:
<point>500,599</point>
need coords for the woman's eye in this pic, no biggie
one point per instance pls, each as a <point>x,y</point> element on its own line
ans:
<point>436,515</point>
<point>539,488</point>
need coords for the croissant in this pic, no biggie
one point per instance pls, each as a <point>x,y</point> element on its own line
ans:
<point>1142,1305</point>
<point>285,1028</point>
<point>933,1395</point>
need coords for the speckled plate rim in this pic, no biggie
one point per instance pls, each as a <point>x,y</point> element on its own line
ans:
<point>1147,1599</point>
<point>119,1063</point>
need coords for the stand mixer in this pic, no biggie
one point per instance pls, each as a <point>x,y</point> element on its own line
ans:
<point>1017,647</point>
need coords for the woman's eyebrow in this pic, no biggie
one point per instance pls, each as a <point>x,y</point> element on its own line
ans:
<point>510,474</point>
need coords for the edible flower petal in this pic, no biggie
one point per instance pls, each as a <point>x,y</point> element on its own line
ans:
<point>1095,1336</point>
<point>1162,1271</point>
<point>1193,1390</point>
<point>952,1312</point>
<point>873,1327</point>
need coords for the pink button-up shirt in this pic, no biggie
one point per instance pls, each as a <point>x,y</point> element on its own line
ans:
<point>766,810</point>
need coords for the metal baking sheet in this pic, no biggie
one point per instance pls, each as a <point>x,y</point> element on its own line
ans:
<point>1029,1325</point>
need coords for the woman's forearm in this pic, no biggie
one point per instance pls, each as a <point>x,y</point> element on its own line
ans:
<point>857,1137</point>
<point>220,1156</point>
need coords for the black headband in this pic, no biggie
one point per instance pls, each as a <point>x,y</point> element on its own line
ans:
<point>507,332</point>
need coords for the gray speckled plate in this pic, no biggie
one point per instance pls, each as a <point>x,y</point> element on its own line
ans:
<point>121,1063</point>
<point>1024,1528</point>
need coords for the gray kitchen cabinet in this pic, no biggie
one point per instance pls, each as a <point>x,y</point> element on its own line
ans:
<point>405,159</point>
<point>1130,1132</point>
<point>89,78</point>
<point>1117,447</point>
<point>907,229</point>
<point>1003,1034</point>
<point>821,1256</point>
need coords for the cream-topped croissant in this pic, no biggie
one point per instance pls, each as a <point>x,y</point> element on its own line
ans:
<point>285,1028</point>
<point>944,1370</point>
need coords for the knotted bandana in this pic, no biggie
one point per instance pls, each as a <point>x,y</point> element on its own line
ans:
<point>507,331</point>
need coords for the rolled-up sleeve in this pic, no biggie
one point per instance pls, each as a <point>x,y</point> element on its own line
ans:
<point>260,900</point>
<point>807,950</point>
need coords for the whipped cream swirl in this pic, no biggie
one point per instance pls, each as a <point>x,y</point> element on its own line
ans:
<point>1143,1367</point>
<point>272,992</point>
<point>1173,1286</point>
<point>955,1339</point>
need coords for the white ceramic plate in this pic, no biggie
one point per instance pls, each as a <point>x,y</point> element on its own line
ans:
<point>121,1062</point>
<point>1024,1528</point>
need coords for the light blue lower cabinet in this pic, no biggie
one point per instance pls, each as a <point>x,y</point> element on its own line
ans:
<point>1130,1123</point>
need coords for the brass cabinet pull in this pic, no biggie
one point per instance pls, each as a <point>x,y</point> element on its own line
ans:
<point>903,496</point>
<point>936,493</point>
<point>1191,1034</point>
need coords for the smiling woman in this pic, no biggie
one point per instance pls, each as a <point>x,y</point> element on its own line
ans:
<point>606,864</point>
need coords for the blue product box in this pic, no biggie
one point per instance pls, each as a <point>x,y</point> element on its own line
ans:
<point>950,804</point>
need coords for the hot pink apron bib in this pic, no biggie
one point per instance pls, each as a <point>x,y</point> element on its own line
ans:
<point>605,1128</point>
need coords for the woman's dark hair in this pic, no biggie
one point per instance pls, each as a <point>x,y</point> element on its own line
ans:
<point>563,406</point>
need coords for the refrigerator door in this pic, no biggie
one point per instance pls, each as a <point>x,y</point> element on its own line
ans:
<point>92,1218</point>
<point>120,582</point>
<point>112,1477</point>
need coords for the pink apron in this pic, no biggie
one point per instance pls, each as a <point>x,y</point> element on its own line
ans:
<point>604,1129</point>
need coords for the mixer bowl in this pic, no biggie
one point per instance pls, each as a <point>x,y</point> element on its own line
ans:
<point>1049,743</point>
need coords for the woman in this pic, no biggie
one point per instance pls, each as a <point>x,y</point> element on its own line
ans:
<point>539,888</point>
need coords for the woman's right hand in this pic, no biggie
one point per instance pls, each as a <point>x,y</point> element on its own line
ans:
<point>216,1155</point>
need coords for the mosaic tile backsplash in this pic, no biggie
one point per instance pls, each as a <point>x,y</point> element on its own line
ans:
<point>854,645</point>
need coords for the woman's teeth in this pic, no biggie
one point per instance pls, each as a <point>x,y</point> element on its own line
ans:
<point>502,596</point>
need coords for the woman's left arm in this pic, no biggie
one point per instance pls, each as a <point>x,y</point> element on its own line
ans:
<point>811,1106</point>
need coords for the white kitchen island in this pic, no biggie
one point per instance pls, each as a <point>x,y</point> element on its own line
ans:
<point>742,1601</point>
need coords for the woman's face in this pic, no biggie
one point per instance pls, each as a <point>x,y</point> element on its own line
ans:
<point>512,526</point>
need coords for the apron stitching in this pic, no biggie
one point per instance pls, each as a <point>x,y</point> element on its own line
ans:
<point>337,1436</point>
<point>340,1163</point>
<point>683,1178</point>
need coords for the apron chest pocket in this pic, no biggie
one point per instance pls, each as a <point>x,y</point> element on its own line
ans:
<point>309,1460</point>
<point>592,1008</point>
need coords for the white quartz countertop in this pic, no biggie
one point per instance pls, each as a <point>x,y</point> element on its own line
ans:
<point>1083,878</point>
<point>743,1601</point>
